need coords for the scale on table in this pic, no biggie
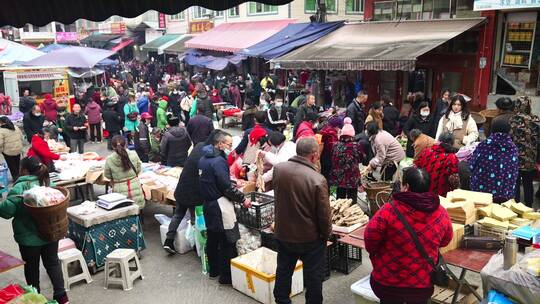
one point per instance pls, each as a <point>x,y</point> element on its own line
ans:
<point>113,201</point>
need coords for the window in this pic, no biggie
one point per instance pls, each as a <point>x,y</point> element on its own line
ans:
<point>384,10</point>
<point>259,8</point>
<point>331,7</point>
<point>218,14</point>
<point>234,12</point>
<point>179,16</point>
<point>354,6</point>
<point>200,12</point>
<point>441,9</point>
<point>28,28</point>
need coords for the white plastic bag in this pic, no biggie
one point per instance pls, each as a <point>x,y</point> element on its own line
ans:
<point>162,219</point>
<point>190,234</point>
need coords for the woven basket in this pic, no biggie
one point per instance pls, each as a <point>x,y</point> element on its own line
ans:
<point>51,221</point>
<point>372,188</point>
<point>489,114</point>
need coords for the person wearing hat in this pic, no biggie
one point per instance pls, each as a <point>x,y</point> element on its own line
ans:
<point>346,158</point>
<point>495,163</point>
<point>113,122</point>
<point>329,138</point>
<point>161,114</point>
<point>142,137</point>
<point>305,129</point>
<point>505,106</point>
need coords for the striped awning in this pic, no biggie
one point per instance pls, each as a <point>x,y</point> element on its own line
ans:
<point>379,46</point>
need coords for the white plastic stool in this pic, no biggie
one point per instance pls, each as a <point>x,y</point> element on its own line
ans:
<point>118,269</point>
<point>71,256</point>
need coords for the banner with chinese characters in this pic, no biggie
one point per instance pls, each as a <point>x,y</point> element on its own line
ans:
<point>67,37</point>
<point>61,88</point>
<point>118,27</point>
<point>489,5</point>
<point>200,26</point>
<point>162,23</point>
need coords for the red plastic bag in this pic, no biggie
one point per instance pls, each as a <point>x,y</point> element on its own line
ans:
<point>10,292</point>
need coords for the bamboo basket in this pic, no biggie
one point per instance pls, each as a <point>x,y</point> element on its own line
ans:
<point>489,114</point>
<point>51,221</point>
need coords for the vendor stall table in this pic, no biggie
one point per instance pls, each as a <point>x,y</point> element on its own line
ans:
<point>235,119</point>
<point>101,232</point>
<point>83,191</point>
<point>473,260</point>
<point>8,262</point>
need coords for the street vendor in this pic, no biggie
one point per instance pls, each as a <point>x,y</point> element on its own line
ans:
<point>40,149</point>
<point>31,245</point>
<point>387,150</point>
<point>281,151</point>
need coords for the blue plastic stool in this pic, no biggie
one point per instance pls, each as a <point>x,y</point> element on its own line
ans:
<point>4,178</point>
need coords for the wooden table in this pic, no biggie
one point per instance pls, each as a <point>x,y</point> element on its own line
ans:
<point>79,186</point>
<point>355,238</point>
<point>473,260</point>
<point>8,262</point>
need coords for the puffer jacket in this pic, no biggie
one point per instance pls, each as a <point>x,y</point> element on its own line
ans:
<point>142,139</point>
<point>329,139</point>
<point>161,115</point>
<point>386,149</point>
<point>357,113</point>
<point>346,158</point>
<point>11,141</point>
<point>187,191</point>
<point>440,165</point>
<point>125,181</point>
<point>305,129</point>
<point>93,110</point>
<point>175,145</point>
<point>49,108</point>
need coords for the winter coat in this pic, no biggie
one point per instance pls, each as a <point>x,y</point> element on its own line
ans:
<point>143,103</point>
<point>427,127</point>
<point>142,139</point>
<point>113,121</point>
<point>214,185</point>
<point>440,109</point>
<point>440,165</point>
<point>175,145</point>
<point>242,146</point>
<point>494,167</point>
<point>357,113</point>
<point>26,103</point>
<point>422,142</point>
<point>130,125</point>
<point>174,104</point>
<point>376,117</point>
<point>305,129</point>
<point>24,227</point>
<point>387,239</point>
<point>199,128</point>
<point>386,149</point>
<point>346,158</point>
<point>187,191</point>
<point>49,109</point>
<point>464,136</point>
<point>303,111</point>
<point>391,119</point>
<point>32,124</point>
<point>208,107</point>
<point>329,139</point>
<point>40,148</point>
<point>161,115</point>
<point>93,110</point>
<point>302,206</point>
<point>125,181</point>
<point>11,141</point>
<point>61,116</point>
<point>277,117</point>
<point>525,132</point>
<point>76,121</point>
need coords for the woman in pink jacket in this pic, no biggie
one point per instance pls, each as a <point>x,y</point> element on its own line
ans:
<point>93,111</point>
<point>387,150</point>
<point>49,108</point>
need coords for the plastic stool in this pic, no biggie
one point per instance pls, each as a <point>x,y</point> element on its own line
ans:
<point>66,244</point>
<point>71,256</point>
<point>118,269</point>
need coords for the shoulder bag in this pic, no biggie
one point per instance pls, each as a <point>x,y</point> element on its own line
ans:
<point>439,274</point>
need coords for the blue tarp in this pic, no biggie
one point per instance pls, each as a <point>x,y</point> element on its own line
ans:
<point>196,58</point>
<point>293,36</point>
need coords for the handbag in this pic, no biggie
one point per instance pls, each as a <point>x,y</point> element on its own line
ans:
<point>439,274</point>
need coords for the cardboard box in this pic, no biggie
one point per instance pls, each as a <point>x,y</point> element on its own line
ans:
<point>154,192</point>
<point>455,243</point>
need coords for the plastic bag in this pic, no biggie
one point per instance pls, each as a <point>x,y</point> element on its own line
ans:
<point>495,297</point>
<point>162,219</point>
<point>190,234</point>
<point>10,292</point>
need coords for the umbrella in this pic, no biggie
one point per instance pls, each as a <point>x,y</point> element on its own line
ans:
<point>73,57</point>
<point>15,52</point>
<point>53,47</point>
<point>85,73</point>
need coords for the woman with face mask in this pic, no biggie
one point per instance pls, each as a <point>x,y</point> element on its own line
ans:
<point>422,119</point>
<point>459,122</point>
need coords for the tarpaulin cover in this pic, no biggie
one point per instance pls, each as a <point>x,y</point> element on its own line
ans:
<point>11,52</point>
<point>122,45</point>
<point>293,36</point>
<point>212,62</point>
<point>388,45</point>
<point>85,73</point>
<point>53,47</point>
<point>100,40</point>
<point>39,12</point>
<point>179,46</point>
<point>233,37</point>
<point>73,57</point>
<point>161,43</point>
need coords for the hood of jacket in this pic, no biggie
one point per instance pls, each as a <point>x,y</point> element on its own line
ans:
<point>425,202</point>
<point>163,104</point>
<point>211,152</point>
<point>329,131</point>
<point>49,103</point>
<point>177,131</point>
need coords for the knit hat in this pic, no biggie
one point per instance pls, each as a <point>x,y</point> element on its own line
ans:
<point>500,125</point>
<point>336,122</point>
<point>505,104</point>
<point>166,98</point>
<point>146,115</point>
<point>347,129</point>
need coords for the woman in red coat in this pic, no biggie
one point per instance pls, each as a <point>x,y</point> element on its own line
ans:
<point>40,148</point>
<point>400,273</point>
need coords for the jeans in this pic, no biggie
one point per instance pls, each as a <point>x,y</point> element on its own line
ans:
<point>13,163</point>
<point>179,213</point>
<point>95,132</point>
<point>347,193</point>
<point>313,255</point>
<point>49,256</point>
<point>220,252</point>
<point>77,144</point>
<point>525,178</point>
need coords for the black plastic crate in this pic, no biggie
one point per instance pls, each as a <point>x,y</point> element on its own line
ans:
<point>261,213</point>
<point>344,257</point>
<point>268,239</point>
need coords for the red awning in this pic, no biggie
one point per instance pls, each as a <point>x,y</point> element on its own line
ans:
<point>233,37</point>
<point>122,45</point>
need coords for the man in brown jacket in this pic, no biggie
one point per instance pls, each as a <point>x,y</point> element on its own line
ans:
<point>302,221</point>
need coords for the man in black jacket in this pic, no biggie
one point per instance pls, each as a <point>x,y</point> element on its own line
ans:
<point>33,122</point>
<point>114,122</point>
<point>187,194</point>
<point>26,102</point>
<point>76,128</point>
<point>356,111</point>
<point>303,110</point>
<point>204,101</point>
<point>390,116</point>
<point>142,137</point>
<point>175,144</point>
<point>200,126</point>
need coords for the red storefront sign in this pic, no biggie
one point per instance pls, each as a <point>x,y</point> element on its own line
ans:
<point>118,27</point>
<point>200,26</point>
<point>161,21</point>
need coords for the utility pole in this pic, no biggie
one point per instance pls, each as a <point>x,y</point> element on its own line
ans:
<point>320,16</point>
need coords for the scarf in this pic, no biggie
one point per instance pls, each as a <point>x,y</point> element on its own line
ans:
<point>256,134</point>
<point>455,121</point>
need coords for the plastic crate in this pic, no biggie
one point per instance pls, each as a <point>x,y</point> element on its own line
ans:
<point>261,213</point>
<point>481,230</point>
<point>344,257</point>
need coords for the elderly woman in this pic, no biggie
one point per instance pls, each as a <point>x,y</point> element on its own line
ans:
<point>459,122</point>
<point>400,272</point>
<point>387,150</point>
<point>495,164</point>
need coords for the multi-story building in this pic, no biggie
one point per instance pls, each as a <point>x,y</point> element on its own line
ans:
<point>50,33</point>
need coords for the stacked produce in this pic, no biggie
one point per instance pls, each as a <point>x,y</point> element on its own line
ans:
<point>509,215</point>
<point>43,196</point>
<point>345,213</point>
<point>76,166</point>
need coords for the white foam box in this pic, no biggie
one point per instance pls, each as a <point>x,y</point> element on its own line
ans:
<point>181,244</point>
<point>254,274</point>
<point>363,293</point>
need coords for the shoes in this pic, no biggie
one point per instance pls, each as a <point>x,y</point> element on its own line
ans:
<point>213,276</point>
<point>93,142</point>
<point>169,246</point>
<point>99,142</point>
<point>227,281</point>
<point>62,299</point>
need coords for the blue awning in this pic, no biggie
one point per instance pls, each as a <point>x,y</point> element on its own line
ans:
<point>293,36</point>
